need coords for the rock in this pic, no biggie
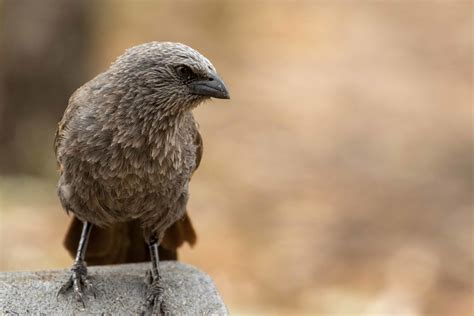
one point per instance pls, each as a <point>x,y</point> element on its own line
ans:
<point>120,290</point>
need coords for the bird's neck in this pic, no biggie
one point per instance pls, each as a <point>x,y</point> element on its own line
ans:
<point>146,121</point>
<point>152,128</point>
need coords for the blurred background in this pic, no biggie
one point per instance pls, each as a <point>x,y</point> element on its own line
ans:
<point>336,181</point>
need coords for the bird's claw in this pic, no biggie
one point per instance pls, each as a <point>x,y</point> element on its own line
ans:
<point>154,297</point>
<point>79,283</point>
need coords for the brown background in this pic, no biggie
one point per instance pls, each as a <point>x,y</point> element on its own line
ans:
<point>336,181</point>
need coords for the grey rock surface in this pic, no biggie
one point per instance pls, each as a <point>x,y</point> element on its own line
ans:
<point>120,291</point>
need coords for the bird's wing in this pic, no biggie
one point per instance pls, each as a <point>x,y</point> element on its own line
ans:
<point>183,230</point>
<point>72,107</point>
<point>199,149</point>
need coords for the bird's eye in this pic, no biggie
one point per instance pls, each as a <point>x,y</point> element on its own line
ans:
<point>185,73</point>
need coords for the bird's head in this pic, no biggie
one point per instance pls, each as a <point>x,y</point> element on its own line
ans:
<point>174,75</point>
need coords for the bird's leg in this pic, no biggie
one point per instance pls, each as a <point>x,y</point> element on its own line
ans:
<point>154,294</point>
<point>78,280</point>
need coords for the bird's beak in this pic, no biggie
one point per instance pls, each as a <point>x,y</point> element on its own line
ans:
<point>212,87</point>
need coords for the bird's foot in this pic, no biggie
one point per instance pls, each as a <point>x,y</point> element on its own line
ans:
<point>78,282</point>
<point>154,303</point>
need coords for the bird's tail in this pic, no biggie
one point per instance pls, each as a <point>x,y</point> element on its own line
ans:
<point>124,242</point>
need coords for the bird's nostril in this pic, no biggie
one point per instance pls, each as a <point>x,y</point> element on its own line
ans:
<point>211,79</point>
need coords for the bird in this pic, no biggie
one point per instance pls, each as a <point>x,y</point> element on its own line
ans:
<point>126,148</point>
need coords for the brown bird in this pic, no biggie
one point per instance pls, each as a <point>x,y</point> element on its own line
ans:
<point>127,147</point>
